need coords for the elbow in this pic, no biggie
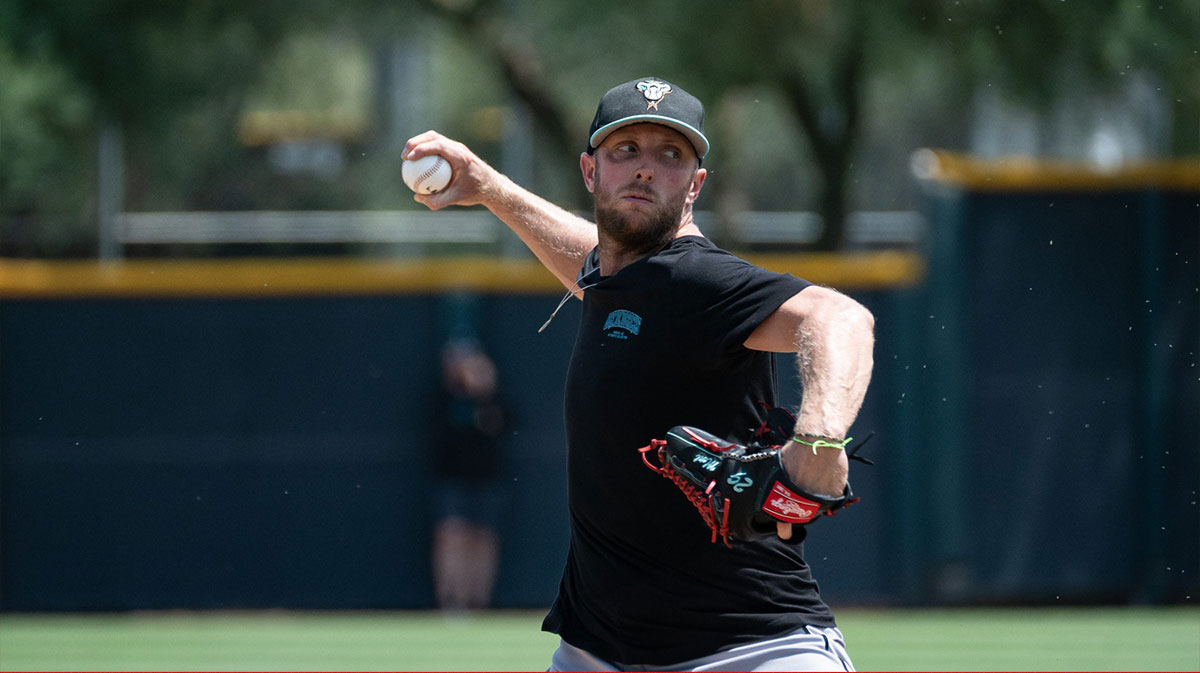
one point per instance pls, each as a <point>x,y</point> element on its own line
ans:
<point>860,320</point>
<point>859,332</point>
<point>834,307</point>
<point>866,320</point>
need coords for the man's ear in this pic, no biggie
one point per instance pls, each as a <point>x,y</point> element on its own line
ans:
<point>697,185</point>
<point>587,166</point>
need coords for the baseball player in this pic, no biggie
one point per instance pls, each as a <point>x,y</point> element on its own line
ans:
<point>675,331</point>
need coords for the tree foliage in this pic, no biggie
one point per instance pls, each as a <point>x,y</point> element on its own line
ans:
<point>820,57</point>
<point>819,88</point>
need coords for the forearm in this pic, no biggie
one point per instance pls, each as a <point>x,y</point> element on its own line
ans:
<point>557,237</point>
<point>834,356</point>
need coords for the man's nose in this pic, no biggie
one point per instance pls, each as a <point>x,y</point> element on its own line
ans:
<point>644,174</point>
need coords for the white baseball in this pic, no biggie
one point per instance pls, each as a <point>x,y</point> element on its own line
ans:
<point>427,175</point>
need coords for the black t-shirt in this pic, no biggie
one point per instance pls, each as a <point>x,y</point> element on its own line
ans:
<point>659,345</point>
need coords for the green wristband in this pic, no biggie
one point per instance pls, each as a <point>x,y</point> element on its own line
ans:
<point>822,441</point>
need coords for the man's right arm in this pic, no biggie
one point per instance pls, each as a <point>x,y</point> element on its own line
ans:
<point>559,239</point>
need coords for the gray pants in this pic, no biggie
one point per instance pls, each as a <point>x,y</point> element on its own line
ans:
<point>809,649</point>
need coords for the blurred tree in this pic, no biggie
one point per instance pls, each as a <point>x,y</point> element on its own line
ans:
<point>136,66</point>
<point>495,27</point>
<point>44,118</point>
<point>821,55</point>
<point>142,58</point>
<point>176,76</point>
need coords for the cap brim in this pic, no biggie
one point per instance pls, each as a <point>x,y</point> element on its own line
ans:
<point>694,136</point>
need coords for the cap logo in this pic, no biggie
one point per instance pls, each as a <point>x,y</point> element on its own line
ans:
<point>653,91</point>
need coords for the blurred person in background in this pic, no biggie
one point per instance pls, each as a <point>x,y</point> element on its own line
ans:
<point>469,423</point>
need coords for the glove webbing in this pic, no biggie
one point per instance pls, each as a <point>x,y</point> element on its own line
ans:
<point>701,501</point>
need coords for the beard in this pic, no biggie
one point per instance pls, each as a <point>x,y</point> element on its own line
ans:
<point>638,232</point>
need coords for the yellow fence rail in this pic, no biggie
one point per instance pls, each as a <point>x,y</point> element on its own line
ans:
<point>28,279</point>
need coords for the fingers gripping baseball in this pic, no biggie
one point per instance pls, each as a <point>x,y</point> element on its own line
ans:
<point>470,175</point>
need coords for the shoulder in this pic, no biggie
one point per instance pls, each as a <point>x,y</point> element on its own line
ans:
<point>697,259</point>
<point>691,248</point>
<point>820,307</point>
<point>698,263</point>
<point>720,297</point>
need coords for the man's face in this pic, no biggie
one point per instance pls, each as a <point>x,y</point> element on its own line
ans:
<point>643,177</point>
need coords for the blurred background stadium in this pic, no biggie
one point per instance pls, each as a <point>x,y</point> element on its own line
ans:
<point>221,311</point>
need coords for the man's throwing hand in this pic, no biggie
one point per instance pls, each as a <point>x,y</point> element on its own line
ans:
<point>472,181</point>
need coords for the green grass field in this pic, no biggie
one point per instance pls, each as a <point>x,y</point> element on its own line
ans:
<point>1124,639</point>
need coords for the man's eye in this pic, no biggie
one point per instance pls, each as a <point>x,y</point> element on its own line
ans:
<point>673,155</point>
<point>626,148</point>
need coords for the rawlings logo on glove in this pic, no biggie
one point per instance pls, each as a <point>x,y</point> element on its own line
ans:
<point>788,506</point>
<point>740,491</point>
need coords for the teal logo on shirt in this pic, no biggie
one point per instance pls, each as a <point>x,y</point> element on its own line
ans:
<point>622,324</point>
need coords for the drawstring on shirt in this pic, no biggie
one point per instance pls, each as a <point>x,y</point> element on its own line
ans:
<point>570,291</point>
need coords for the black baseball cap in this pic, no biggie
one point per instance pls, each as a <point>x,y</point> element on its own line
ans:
<point>653,100</point>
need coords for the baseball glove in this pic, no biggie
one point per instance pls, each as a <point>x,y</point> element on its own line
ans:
<point>740,491</point>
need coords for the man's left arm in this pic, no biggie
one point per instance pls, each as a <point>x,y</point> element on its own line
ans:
<point>833,337</point>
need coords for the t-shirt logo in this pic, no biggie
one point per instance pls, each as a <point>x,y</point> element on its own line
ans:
<point>622,324</point>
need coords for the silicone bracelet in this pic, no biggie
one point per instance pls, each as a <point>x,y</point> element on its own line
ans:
<point>821,441</point>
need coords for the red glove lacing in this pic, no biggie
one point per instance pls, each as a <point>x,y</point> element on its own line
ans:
<point>702,501</point>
